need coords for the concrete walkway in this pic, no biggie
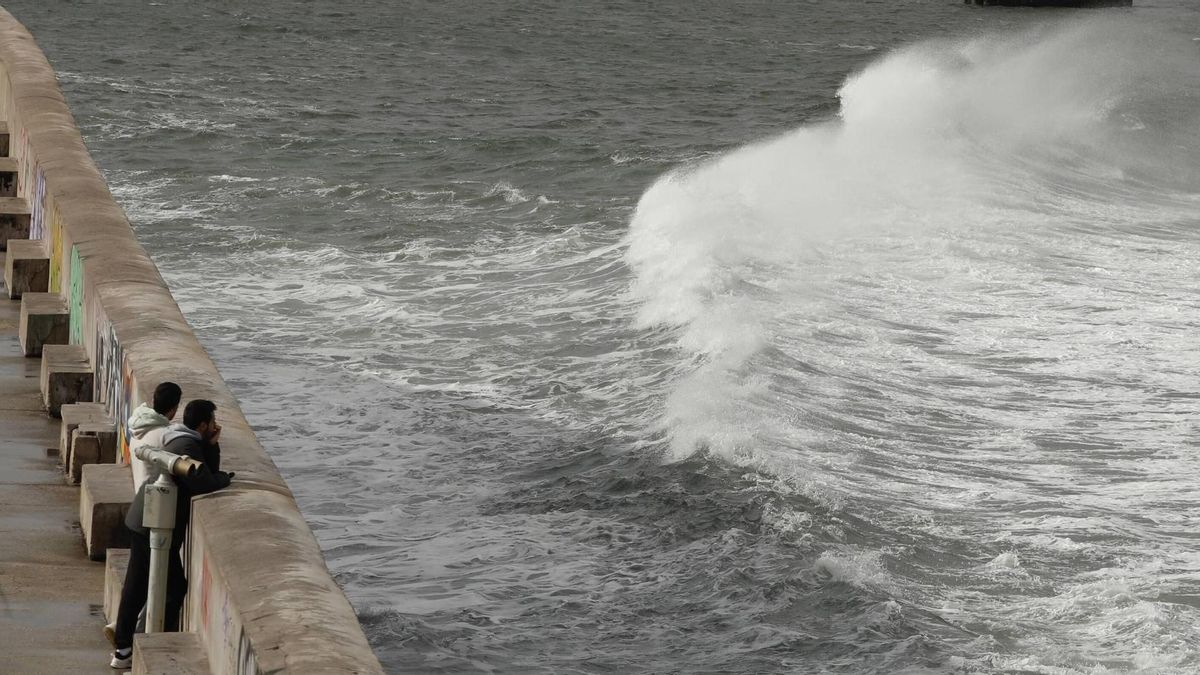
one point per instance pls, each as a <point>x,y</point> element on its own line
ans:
<point>50,593</point>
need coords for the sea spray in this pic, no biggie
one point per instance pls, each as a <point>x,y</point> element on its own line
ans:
<point>1003,130</point>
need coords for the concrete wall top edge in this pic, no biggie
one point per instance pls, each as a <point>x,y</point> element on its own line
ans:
<point>31,72</point>
<point>136,268</point>
<point>275,561</point>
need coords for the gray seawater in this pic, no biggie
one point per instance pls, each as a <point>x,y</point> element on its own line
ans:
<point>684,337</point>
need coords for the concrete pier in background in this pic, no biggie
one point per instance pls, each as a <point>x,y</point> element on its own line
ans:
<point>49,590</point>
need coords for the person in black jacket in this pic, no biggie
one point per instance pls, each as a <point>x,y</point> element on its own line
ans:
<point>197,438</point>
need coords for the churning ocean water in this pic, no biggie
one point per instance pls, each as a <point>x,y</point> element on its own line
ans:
<point>693,337</point>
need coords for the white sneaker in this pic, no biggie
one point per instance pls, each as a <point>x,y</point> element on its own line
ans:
<point>122,658</point>
<point>110,633</point>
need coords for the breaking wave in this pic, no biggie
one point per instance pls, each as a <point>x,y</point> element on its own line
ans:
<point>1089,124</point>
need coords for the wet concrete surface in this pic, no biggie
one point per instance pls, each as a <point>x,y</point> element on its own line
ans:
<point>51,595</point>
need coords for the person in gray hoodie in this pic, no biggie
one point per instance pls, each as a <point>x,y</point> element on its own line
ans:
<point>198,439</point>
<point>147,424</point>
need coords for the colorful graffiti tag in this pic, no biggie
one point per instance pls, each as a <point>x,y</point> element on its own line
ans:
<point>56,250</point>
<point>114,383</point>
<point>75,297</point>
<point>32,175</point>
<point>37,206</point>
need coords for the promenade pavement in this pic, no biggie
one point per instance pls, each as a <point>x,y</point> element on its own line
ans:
<point>50,593</point>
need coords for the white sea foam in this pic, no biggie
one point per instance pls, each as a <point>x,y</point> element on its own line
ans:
<point>861,569</point>
<point>935,138</point>
<point>226,178</point>
<point>508,192</point>
<point>1007,560</point>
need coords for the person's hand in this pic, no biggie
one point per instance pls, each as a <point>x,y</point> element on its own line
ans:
<point>216,434</point>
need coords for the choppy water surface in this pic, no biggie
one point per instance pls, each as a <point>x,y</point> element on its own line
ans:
<point>686,337</point>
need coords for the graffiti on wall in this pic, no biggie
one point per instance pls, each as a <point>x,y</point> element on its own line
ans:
<point>25,166</point>
<point>205,588</point>
<point>114,383</point>
<point>37,206</point>
<point>31,183</point>
<point>75,297</point>
<point>215,613</point>
<point>55,231</point>
<point>246,664</point>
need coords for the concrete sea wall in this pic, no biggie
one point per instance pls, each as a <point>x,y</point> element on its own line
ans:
<point>261,598</point>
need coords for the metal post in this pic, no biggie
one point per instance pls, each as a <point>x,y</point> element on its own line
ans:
<point>158,514</point>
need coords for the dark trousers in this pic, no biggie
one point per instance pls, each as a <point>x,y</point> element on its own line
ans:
<point>137,578</point>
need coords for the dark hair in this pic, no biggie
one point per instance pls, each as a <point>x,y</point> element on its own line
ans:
<point>166,397</point>
<point>198,412</point>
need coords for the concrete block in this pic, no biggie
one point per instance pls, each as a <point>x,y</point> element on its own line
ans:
<point>104,498</point>
<point>66,377</point>
<point>26,268</point>
<point>91,443</point>
<point>115,565</point>
<point>106,433</point>
<point>14,220</point>
<point>8,176</point>
<point>169,654</point>
<point>74,414</point>
<point>45,320</point>
<point>85,450</point>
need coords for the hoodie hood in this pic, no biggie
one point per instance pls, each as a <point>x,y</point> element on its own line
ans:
<point>145,418</point>
<point>178,431</point>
